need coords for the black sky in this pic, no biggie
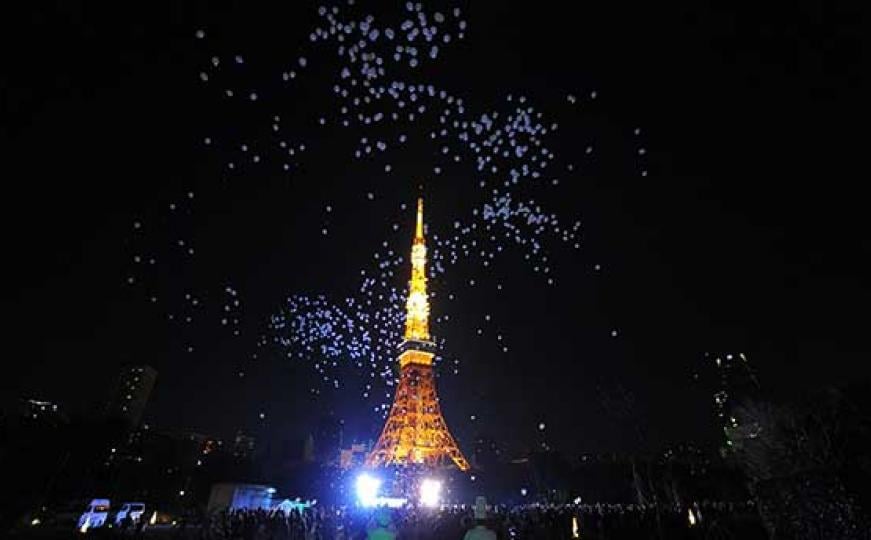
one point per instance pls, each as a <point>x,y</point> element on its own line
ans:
<point>748,235</point>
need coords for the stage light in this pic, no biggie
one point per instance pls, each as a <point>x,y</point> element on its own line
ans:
<point>367,489</point>
<point>430,492</point>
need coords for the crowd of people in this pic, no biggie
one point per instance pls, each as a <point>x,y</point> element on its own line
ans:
<point>480,522</point>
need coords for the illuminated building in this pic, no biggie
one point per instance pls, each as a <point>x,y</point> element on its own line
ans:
<point>243,445</point>
<point>44,413</point>
<point>415,432</point>
<point>130,395</point>
<point>352,457</point>
<point>735,382</point>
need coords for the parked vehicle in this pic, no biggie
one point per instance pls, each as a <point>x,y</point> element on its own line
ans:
<point>95,515</point>
<point>133,509</point>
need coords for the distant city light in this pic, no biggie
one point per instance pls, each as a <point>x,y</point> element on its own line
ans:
<point>523,491</point>
<point>430,492</point>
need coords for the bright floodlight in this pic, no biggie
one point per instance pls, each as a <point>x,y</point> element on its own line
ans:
<point>367,489</point>
<point>430,492</point>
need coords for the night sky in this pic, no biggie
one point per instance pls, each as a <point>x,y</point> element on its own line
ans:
<point>748,234</point>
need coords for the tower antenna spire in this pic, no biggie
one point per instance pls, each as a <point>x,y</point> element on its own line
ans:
<point>418,231</point>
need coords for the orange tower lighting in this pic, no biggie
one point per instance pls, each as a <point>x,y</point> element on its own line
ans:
<point>415,432</point>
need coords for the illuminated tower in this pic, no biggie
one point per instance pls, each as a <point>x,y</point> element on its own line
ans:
<point>415,432</point>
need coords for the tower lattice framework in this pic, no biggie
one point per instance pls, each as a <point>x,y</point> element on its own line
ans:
<point>415,432</point>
